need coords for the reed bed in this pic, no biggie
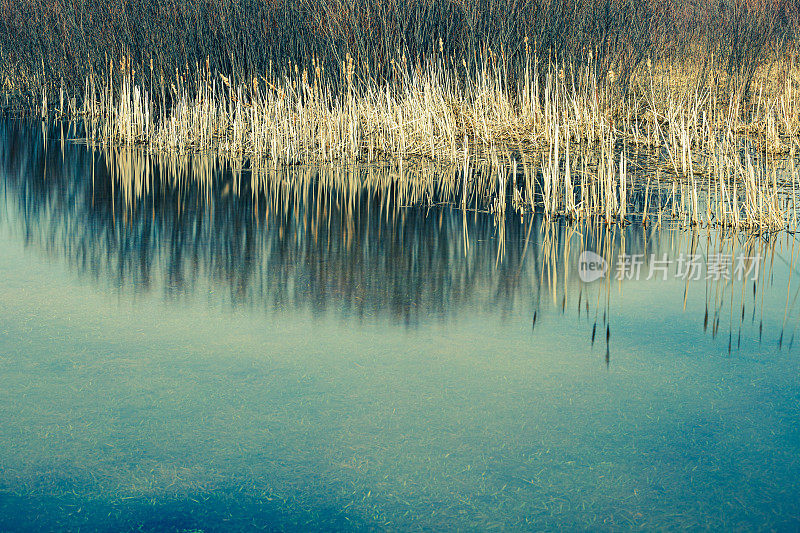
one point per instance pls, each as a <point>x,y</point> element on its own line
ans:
<point>567,107</point>
<point>565,143</point>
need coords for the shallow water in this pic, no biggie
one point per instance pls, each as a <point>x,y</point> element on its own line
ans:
<point>185,346</point>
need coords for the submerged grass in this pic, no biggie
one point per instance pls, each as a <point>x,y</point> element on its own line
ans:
<point>308,442</point>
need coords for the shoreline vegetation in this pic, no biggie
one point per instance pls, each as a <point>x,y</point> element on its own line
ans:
<point>570,107</point>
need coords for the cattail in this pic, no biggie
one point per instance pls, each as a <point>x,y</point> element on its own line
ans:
<point>349,68</point>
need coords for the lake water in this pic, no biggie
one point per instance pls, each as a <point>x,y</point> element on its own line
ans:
<point>187,346</point>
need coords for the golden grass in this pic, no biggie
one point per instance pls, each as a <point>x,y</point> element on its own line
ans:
<point>566,141</point>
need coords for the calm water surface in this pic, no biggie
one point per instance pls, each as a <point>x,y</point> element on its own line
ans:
<point>184,346</point>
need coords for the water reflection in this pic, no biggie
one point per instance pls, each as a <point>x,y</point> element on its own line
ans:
<point>359,348</point>
<point>402,243</point>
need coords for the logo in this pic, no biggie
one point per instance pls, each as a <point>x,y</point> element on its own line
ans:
<point>591,267</point>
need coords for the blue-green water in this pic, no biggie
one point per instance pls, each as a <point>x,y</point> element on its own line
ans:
<point>185,350</point>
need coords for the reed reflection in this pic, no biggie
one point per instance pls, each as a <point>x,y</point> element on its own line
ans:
<point>406,243</point>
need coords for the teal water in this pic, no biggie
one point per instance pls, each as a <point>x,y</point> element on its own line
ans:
<point>182,349</point>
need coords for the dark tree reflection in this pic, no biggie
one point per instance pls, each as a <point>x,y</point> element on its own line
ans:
<point>367,242</point>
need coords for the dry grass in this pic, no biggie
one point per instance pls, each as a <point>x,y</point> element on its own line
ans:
<point>567,143</point>
<point>577,107</point>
